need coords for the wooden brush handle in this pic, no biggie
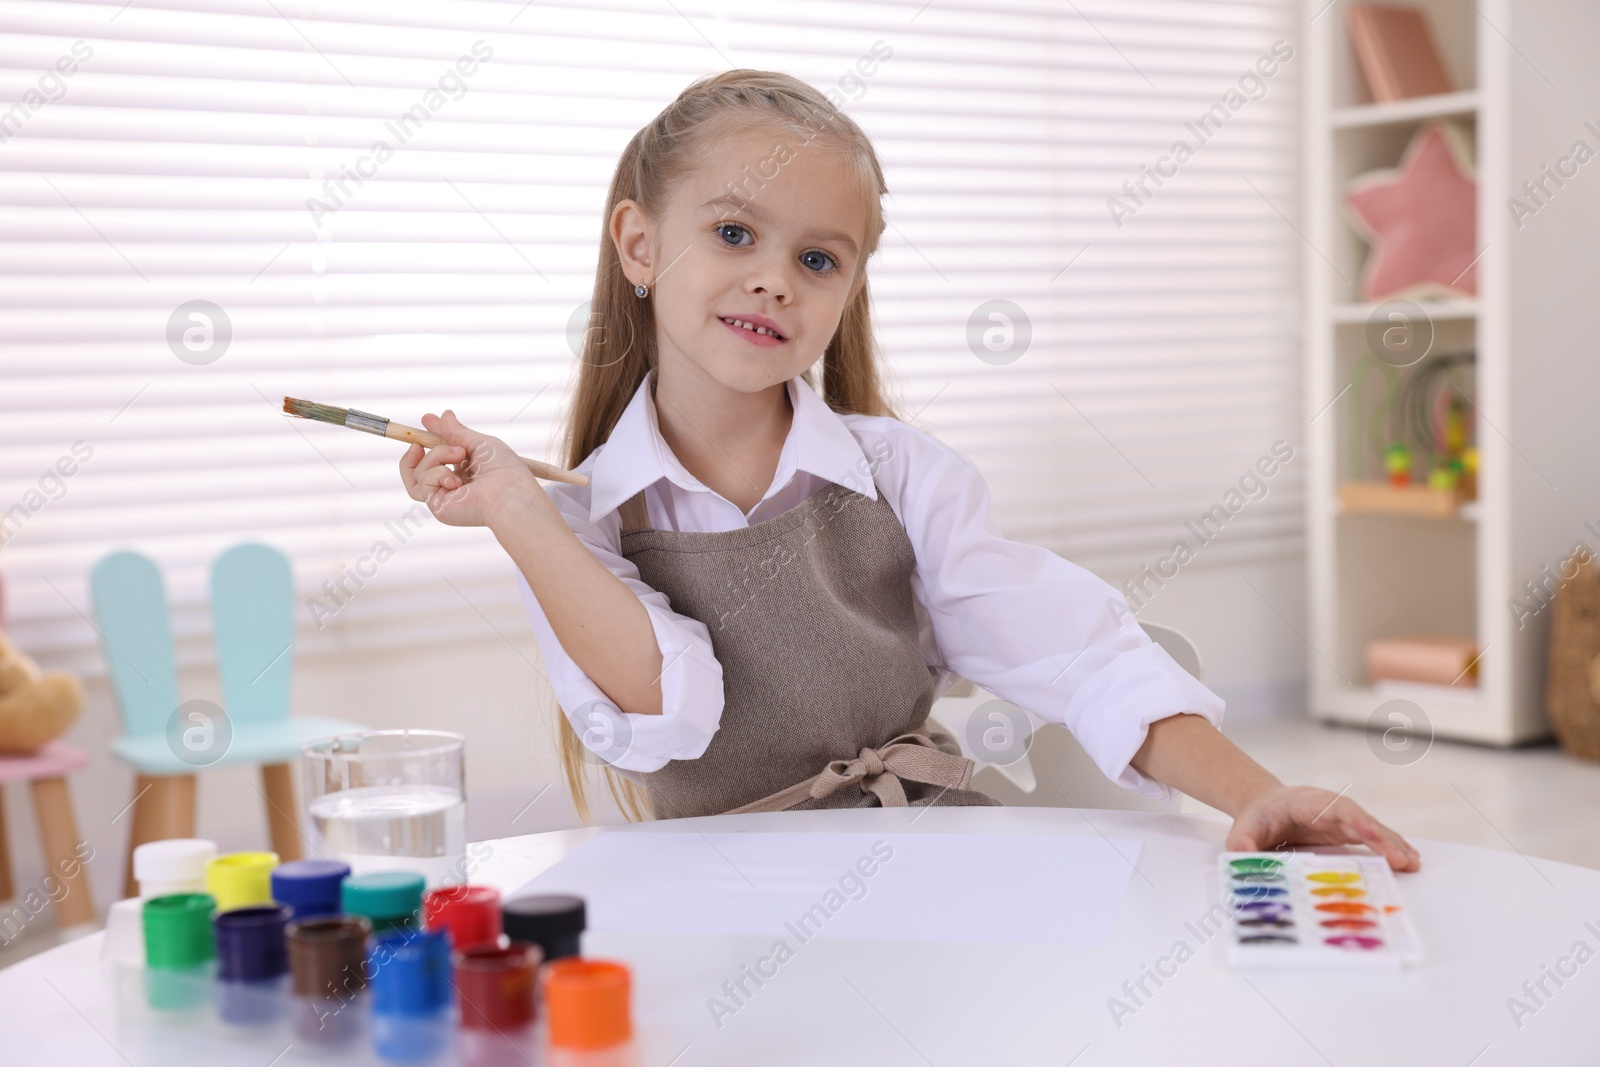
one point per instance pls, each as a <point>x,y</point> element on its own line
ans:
<point>546,471</point>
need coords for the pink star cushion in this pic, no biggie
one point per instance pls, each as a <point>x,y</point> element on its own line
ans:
<point>1421,220</point>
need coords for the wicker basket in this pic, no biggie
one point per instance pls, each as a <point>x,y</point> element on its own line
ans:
<point>1572,686</point>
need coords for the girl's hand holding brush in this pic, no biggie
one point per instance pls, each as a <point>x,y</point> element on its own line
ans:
<point>482,463</point>
<point>475,480</point>
<point>472,479</point>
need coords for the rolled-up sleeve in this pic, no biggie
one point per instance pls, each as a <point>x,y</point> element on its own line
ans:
<point>1029,626</point>
<point>691,676</point>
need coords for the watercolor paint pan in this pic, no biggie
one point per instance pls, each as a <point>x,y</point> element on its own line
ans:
<point>1308,910</point>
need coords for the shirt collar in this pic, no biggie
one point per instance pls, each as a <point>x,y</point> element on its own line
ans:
<point>636,455</point>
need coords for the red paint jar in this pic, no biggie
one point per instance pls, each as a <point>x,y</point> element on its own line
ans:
<point>495,986</point>
<point>468,914</point>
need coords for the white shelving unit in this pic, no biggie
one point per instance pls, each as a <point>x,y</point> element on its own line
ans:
<point>1405,112</point>
<point>1527,84</point>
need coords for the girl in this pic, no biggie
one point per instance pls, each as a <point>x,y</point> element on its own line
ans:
<point>765,584</point>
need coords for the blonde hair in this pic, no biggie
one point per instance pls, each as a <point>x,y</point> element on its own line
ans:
<point>658,156</point>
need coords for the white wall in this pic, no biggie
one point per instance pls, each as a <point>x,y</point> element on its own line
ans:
<point>1247,619</point>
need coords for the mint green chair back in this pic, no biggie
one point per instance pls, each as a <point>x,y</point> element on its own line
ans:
<point>252,613</point>
<point>130,601</point>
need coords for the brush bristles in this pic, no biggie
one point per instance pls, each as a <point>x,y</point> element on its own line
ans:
<point>306,409</point>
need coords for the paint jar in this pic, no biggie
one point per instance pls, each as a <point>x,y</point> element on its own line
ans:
<point>310,887</point>
<point>328,967</point>
<point>495,993</point>
<point>588,1013</point>
<point>176,866</point>
<point>410,977</point>
<point>390,800</point>
<point>469,915</point>
<point>389,899</point>
<point>161,868</point>
<point>553,922</point>
<point>252,963</point>
<point>180,950</point>
<point>241,879</point>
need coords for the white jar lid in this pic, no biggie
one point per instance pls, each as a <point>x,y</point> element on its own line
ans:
<point>181,859</point>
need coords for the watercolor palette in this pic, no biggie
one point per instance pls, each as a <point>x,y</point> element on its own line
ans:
<point>1306,910</point>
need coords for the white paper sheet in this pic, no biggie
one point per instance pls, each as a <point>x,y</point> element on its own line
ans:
<point>925,887</point>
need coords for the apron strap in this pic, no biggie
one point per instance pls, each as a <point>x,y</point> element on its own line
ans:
<point>911,756</point>
<point>635,516</point>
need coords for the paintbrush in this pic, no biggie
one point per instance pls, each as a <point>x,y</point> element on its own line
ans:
<point>377,424</point>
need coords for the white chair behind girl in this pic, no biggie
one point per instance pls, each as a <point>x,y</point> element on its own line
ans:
<point>1056,772</point>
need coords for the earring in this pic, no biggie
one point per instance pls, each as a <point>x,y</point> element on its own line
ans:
<point>641,291</point>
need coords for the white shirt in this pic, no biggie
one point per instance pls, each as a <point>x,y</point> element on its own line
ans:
<point>1018,620</point>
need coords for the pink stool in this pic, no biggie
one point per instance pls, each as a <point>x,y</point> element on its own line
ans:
<point>46,772</point>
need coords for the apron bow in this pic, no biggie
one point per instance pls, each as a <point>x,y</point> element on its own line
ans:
<point>911,756</point>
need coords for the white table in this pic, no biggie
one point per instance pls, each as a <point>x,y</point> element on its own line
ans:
<point>1489,921</point>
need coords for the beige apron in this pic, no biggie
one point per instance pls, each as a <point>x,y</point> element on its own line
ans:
<point>825,692</point>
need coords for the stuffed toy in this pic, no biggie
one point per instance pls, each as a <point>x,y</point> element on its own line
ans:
<point>1421,219</point>
<point>35,706</point>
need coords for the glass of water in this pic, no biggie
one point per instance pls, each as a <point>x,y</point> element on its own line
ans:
<point>390,800</point>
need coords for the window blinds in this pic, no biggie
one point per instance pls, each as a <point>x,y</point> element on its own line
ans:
<point>206,205</point>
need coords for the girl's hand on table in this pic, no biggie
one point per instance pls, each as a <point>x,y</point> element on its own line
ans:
<point>1306,815</point>
<point>468,480</point>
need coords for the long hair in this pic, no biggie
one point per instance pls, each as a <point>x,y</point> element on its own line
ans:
<point>659,155</point>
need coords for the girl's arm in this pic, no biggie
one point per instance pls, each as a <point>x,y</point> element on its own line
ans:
<point>1049,636</point>
<point>1191,755</point>
<point>600,622</point>
<point>474,479</point>
<point>1025,624</point>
